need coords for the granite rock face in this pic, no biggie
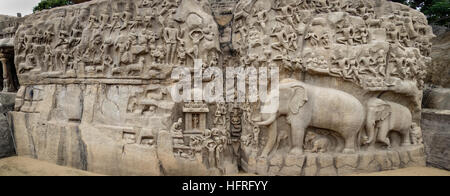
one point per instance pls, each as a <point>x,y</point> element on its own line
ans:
<point>6,139</point>
<point>101,83</point>
<point>436,126</point>
<point>437,98</point>
<point>439,70</point>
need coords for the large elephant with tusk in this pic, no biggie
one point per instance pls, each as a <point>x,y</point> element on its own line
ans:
<point>306,105</point>
<point>383,117</point>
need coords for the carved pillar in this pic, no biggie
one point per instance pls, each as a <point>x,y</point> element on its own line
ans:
<point>6,77</point>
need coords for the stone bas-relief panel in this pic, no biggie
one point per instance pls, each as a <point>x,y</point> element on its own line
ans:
<point>361,65</point>
<point>96,78</point>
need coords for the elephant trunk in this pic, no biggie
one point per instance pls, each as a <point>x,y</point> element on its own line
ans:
<point>370,128</point>
<point>269,121</point>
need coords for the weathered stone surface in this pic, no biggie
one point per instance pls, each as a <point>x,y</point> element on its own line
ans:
<point>310,168</point>
<point>395,159</point>
<point>294,160</point>
<point>437,98</point>
<point>367,163</point>
<point>6,138</point>
<point>439,70</point>
<point>435,124</point>
<point>277,160</point>
<point>383,160</point>
<point>262,166</point>
<point>6,143</point>
<point>291,171</point>
<point>274,171</point>
<point>101,83</point>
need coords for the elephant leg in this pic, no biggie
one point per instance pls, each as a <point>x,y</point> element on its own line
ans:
<point>271,139</point>
<point>406,139</point>
<point>382,134</point>
<point>298,128</point>
<point>350,144</point>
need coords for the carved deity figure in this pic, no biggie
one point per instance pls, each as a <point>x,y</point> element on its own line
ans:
<point>392,33</point>
<point>220,115</point>
<point>324,40</point>
<point>176,129</point>
<point>181,54</point>
<point>261,17</point>
<point>347,35</point>
<point>312,38</point>
<point>171,34</point>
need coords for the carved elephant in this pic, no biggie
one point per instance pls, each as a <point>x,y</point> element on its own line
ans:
<point>383,117</point>
<point>306,105</point>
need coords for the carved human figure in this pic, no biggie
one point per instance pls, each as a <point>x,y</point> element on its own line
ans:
<point>261,17</point>
<point>220,115</point>
<point>116,22</point>
<point>334,5</point>
<point>347,35</point>
<point>196,36</point>
<point>195,121</point>
<point>171,34</point>
<point>338,62</point>
<point>392,33</point>
<point>352,70</point>
<point>324,40</point>
<point>177,126</point>
<point>181,54</point>
<point>312,38</point>
<point>362,36</point>
<point>279,32</point>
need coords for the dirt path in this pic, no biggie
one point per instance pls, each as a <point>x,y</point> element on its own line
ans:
<point>21,166</point>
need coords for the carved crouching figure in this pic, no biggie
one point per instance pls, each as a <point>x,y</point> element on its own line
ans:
<point>383,117</point>
<point>306,105</point>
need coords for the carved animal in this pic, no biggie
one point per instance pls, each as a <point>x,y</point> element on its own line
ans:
<point>374,23</point>
<point>384,117</point>
<point>306,105</point>
<point>320,145</point>
<point>136,68</point>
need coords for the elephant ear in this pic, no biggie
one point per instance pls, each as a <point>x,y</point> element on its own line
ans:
<point>298,100</point>
<point>383,111</point>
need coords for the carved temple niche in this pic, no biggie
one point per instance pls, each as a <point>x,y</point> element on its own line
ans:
<point>195,118</point>
<point>8,27</point>
<point>10,83</point>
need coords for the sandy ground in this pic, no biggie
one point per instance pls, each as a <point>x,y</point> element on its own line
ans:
<point>412,171</point>
<point>21,166</point>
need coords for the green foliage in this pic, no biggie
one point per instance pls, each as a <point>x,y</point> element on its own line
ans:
<point>48,4</point>
<point>437,11</point>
